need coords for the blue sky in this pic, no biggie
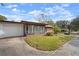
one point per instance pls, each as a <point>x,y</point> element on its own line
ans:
<point>32,11</point>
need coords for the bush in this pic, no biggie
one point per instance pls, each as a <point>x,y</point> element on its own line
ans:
<point>56,29</point>
<point>49,34</point>
<point>63,30</point>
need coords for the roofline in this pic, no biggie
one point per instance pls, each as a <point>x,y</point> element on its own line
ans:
<point>10,21</point>
<point>25,22</point>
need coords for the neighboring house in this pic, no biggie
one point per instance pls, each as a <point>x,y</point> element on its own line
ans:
<point>12,29</point>
<point>49,28</point>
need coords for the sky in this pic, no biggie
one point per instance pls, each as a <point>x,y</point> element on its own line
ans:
<point>33,11</point>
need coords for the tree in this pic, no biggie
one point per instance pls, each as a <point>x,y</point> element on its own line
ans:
<point>43,18</point>
<point>75,24</point>
<point>69,28</point>
<point>48,20</point>
<point>63,24</point>
<point>2,18</point>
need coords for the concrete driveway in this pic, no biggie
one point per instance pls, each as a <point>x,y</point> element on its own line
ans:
<point>18,47</point>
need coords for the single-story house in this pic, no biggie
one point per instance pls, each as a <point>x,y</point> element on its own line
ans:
<point>23,28</point>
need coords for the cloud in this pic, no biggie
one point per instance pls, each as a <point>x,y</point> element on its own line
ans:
<point>14,9</point>
<point>18,11</point>
<point>50,11</point>
<point>65,5</point>
<point>62,14</point>
<point>35,13</point>
<point>11,6</point>
<point>57,13</point>
<point>17,18</point>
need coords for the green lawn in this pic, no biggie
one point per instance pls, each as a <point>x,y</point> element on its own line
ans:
<point>47,43</point>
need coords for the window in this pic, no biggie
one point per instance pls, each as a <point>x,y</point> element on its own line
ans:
<point>29,29</point>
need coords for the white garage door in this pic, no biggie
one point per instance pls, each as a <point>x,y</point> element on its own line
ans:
<point>10,29</point>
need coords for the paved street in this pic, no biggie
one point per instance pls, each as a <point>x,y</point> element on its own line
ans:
<point>69,49</point>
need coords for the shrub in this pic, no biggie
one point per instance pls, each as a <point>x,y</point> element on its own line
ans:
<point>63,30</point>
<point>49,34</point>
<point>67,33</point>
<point>56,29</point>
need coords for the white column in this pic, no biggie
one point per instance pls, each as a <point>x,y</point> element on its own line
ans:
<point>32,28</point>
<point>43,29</point>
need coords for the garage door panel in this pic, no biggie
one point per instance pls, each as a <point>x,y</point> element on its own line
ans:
<point>11,29</point>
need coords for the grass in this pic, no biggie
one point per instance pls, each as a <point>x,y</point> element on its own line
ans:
<point>47,43</point>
